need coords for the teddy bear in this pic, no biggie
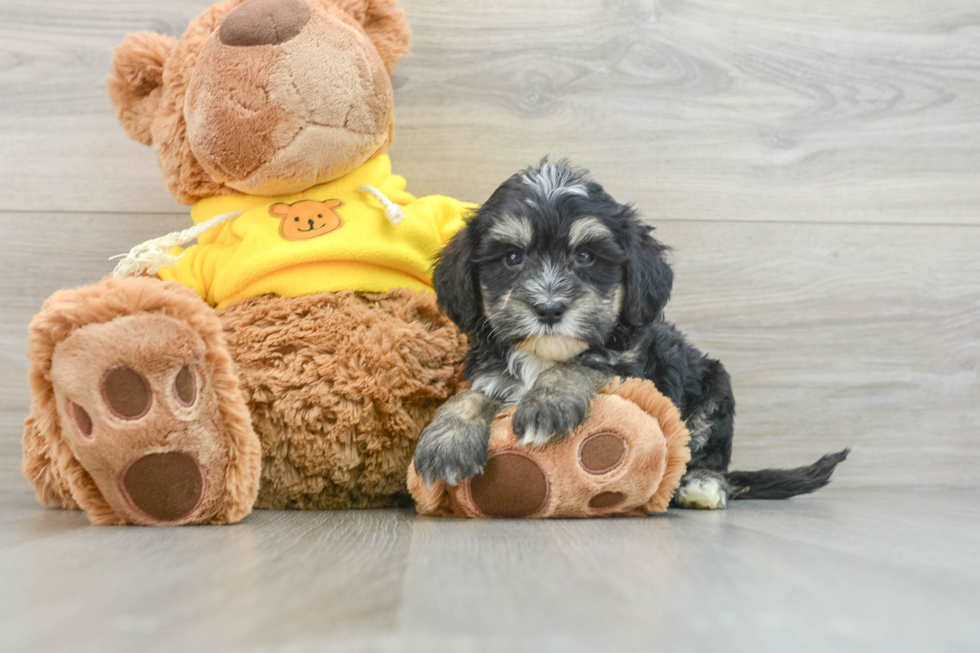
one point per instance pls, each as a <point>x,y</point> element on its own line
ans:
<point>290,358</point>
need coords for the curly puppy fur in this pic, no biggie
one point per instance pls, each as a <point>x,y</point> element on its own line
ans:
<point>560,288</point>
<point>338,430</point>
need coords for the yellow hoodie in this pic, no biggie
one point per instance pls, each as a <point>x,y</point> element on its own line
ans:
<point>331,237</point>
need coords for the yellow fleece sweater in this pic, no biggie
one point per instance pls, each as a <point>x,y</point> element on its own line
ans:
<point>331,237</point>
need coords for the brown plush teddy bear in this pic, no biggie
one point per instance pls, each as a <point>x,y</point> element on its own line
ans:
<point>299,340</point>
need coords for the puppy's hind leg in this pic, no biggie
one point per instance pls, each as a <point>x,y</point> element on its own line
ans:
<point>712,428</point>
<point>454,447</point>
<point>702,489</point>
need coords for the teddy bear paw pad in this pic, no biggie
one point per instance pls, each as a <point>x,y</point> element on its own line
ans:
<point>511,485</point>
<point>600,453</point>
<point>165,486</point>
<point>141,417</point>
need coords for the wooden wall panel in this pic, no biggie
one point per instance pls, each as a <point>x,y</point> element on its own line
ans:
<point>814,165</point>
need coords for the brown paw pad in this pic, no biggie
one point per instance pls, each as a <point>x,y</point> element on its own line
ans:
<point>126,392</point>
<point>606,499</point>
<point>601,453</point>
<point>511,485</point>
<point>185,386</point>
<point>164,486</point>
<point>81,418</point>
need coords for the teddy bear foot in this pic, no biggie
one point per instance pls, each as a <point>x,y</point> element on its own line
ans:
<point>143,406</point>
<point>627,458</point>
<point>142,417</point>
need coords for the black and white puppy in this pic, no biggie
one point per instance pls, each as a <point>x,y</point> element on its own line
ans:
<point>560,288</point>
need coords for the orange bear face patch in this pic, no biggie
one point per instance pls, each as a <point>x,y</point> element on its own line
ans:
<point>307,218</point>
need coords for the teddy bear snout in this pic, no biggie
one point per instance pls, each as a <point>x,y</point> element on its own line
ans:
<point>264,22</point>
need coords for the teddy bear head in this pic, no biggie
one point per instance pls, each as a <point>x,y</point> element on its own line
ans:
<point>264,97</point>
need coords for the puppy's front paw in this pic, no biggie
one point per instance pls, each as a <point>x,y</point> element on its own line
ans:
<point>452,450</point>
<point>541,418</point>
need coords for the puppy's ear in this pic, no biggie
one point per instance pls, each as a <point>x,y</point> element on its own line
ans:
<point>455,283</point>
<point>648,277</point>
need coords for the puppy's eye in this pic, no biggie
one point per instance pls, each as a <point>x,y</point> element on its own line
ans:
<point>584,257</point>
<point>296,219</point>
<point>513,258</point>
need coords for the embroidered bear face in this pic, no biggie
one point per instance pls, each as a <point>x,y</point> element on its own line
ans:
<point>306,219</point>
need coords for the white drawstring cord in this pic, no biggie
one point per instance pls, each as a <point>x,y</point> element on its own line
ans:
<point>392,211</point>
<point>154,255</point>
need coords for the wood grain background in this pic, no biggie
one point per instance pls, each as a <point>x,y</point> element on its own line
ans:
<point>815,165</point>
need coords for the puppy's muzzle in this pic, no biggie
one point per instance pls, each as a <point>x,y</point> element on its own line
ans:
<point>550,312</point>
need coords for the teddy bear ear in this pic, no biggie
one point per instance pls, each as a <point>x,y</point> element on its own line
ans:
<point>385,24</point>
<point>136,79</point>
<point>279,210</point>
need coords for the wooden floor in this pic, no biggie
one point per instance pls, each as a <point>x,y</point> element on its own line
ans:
<point>816,167</point>
<point>841,571</point>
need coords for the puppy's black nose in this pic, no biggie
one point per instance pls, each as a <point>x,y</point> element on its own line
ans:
<point>550,312</point>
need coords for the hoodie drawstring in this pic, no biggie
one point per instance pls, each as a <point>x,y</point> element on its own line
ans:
<point>392,211</point>
<point>153,255</point>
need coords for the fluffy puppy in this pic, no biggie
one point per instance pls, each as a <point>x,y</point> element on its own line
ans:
<point>560,288</point>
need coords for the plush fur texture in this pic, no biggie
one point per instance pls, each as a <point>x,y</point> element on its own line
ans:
<point>561,287</point>
<point>264,119</point>
<point>75,317</point>
<point>339,386</point>
<point>630,412</point>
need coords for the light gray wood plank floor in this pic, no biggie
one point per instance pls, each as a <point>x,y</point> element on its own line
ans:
<point>815,167</point>
<point>852,570</point>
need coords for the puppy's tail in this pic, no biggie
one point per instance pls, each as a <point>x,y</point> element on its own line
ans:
<point>784,483</point>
